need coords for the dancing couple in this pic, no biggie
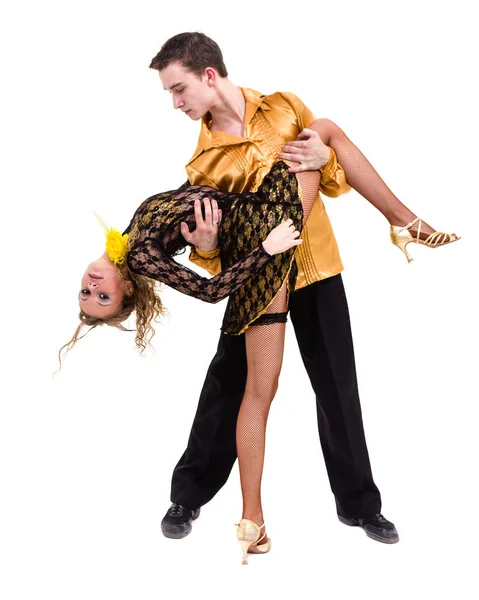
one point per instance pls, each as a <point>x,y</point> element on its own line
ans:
<point>253,216</point>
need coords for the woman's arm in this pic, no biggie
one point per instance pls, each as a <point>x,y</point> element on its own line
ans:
<point>146,258</point>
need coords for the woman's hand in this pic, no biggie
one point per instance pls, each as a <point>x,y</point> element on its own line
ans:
<point>282,238</point>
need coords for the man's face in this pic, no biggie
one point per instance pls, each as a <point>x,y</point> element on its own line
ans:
<point>193,94</point>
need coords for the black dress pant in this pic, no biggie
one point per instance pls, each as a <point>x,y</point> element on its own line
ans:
<point>320,316</point>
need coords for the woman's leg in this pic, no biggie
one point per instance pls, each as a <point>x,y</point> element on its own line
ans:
<point>362,176</point>
<point>264,351</point>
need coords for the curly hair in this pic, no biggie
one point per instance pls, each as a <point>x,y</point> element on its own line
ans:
<point>144,300</point>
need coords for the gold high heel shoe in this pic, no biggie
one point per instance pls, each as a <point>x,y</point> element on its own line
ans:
<point>248,534</point>
<point>401,237</point>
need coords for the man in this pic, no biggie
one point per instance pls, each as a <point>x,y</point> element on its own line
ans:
<point>242,133</point>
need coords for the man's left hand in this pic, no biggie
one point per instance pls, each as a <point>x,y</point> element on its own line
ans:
<point>205,236</point>
<point>308,150</point>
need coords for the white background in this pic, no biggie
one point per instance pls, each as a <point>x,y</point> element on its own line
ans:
<point>86,458</point>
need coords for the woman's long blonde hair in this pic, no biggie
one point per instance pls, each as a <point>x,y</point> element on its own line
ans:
<point>144,300</point>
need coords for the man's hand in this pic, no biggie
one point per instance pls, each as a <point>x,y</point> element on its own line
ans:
<point>308,150</point>
<point>205,236</point>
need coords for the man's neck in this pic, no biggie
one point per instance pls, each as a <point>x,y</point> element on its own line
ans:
<point>228,113</point>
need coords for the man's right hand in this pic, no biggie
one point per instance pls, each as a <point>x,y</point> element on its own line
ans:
<point>308,150</point>
<point>205,236</point>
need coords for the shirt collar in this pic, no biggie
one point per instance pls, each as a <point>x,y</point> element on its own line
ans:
<point>208,139</point>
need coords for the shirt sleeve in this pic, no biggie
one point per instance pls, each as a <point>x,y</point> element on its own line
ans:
<point>304,116</point>
<point>333,178</point>
<point>148,259</point>
<point>208,260</point>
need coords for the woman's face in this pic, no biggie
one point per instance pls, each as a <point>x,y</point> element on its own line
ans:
<point>102,289</point>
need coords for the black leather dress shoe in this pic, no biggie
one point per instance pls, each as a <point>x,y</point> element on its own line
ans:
<point>176,523</point>
<point>376,527</point>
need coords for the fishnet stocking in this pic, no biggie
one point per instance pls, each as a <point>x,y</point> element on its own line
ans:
<point>362,176</point>
<point>264,351</point>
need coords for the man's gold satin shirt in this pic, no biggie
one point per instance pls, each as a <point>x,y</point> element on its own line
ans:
<point>239,164</point>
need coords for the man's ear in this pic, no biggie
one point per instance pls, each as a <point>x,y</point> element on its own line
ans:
<point>211,76</point>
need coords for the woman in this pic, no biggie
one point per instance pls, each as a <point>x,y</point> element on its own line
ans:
<point>123,279</point>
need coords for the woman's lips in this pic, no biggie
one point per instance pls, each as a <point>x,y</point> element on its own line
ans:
<point>93,276</point>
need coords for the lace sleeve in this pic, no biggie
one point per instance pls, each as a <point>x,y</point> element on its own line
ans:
<point>146,258</point>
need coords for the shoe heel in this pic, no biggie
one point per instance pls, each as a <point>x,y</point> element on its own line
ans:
<point>401,244</point>
<point>347,521</point>
<point>244,547</point>
<point>248,534</point>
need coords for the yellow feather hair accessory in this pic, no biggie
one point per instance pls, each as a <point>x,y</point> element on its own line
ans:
<point>116,243</point>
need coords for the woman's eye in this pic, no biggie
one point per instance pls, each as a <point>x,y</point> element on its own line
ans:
<point>84,292</point>
<point>104,296</point>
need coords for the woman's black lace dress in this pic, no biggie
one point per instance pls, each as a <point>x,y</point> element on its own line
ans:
<point>250,276</point>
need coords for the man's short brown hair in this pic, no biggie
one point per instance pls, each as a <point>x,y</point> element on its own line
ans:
<point>194,50</point>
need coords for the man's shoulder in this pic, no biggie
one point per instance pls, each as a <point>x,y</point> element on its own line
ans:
<point>285,95</point>
<point>273,99</point>
<point>283,99</point>
<point>288,105</point>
